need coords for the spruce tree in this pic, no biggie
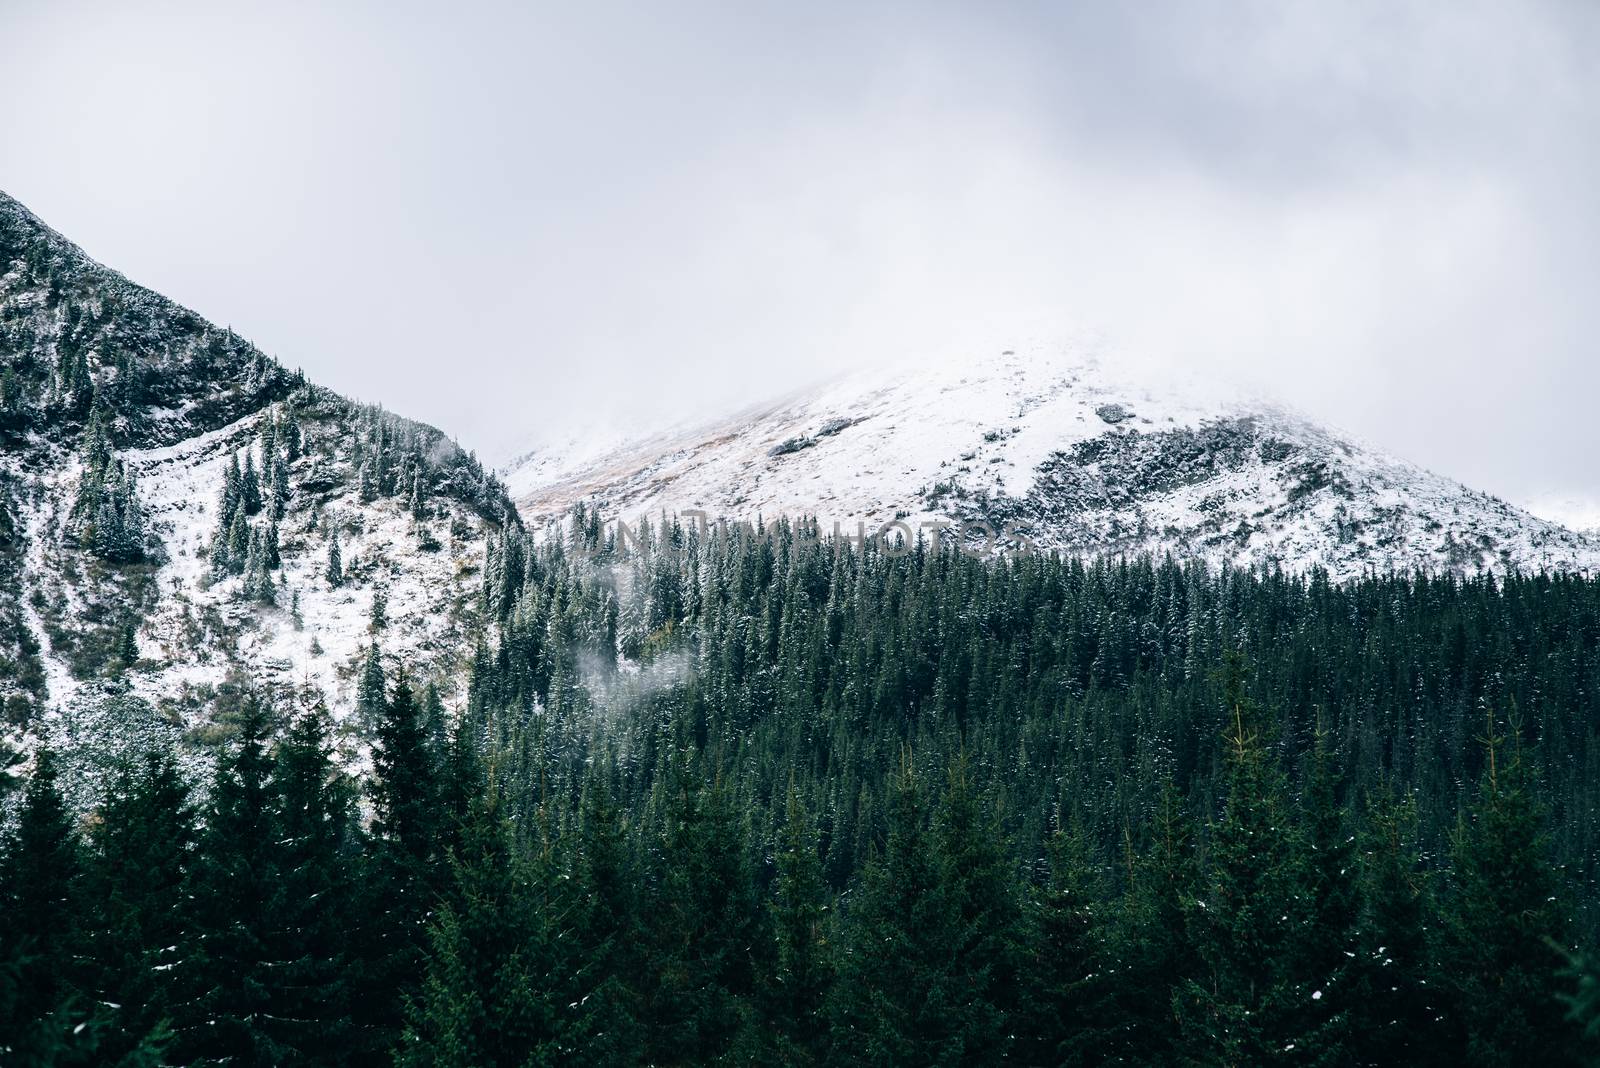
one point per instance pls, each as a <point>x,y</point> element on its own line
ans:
<point>289,434</point>
<point>313,918</point>
<point>494,989</point>
<point>141,940</point>
<point>372,702</point>
<point>1066,1009</point>
<point>405,870</point>
<point>980,877</point>
<point>609,929</point>
<point>42,894</point>
<point>1151,948</point>
<point>1504,909</point>
<point>378,617</point>
<point>1583,1002</point>
<point>1395,1011</point>
<point>128,645</point>
<point>232,489</point>
<point>238,554</point>
<point>893,1002</point>
<point>704,928</point>
<point>798,983</point>
<point>1327,941</point>
<point>236,883</point>
<point>335,569</point>
<point>221,555</point>
<point>1245,1005</point>
<point>280,489</point>
<point>250,485</point>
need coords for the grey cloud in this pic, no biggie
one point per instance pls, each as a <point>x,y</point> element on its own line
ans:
<point>491,215</point>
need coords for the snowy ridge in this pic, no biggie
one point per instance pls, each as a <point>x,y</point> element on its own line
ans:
<point>1074,457</point>
<point>164,633</point>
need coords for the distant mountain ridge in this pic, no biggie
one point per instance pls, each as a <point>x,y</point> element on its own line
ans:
<point>1051,443</point>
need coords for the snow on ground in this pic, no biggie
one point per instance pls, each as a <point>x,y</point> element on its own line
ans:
<point>923,444</point>
<point>1575,513</point>
<point>200,629</point>
<point>54,489</point>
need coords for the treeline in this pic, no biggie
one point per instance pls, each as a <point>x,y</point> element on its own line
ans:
<point>262,921</point>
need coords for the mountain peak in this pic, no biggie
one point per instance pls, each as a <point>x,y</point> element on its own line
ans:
<point>1065,450</point>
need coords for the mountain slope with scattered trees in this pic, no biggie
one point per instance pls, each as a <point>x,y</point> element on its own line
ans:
<point>170,498</point>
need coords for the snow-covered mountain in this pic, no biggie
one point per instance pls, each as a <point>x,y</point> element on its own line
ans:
<point>1055,446</point>
<point>170,497</point>
<point>124,585</point>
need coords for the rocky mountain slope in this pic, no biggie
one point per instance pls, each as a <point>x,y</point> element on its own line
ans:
<point>1062,453</point>
<point>170,498</point>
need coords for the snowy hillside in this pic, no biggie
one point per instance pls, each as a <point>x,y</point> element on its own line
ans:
<point>169,500</point>
<point>1058,448</point>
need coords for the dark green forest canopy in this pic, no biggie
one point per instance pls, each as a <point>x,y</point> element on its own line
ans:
<point>749,798</point>
<point>1085,686</point>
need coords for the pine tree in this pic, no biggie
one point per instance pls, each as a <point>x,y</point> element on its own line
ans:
<point>335,569</point>
<point>607,927</point>
<point>798,985</point>
<point>310,938</point>
<point>494,991</point>
<point>1395,1010</point>
<point>41,890</point>
<point>705,926</point>
<point>405,869</point>
<point>235,885</point>
<point>141,939</point>
<point>1505,908</point>
<point>1246,1004</point>
<point>893,1002</point>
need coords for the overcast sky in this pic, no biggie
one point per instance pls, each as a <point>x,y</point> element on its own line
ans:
<point>498,217</point>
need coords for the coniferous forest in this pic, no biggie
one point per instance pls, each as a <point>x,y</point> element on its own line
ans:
<point>748,796</point>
